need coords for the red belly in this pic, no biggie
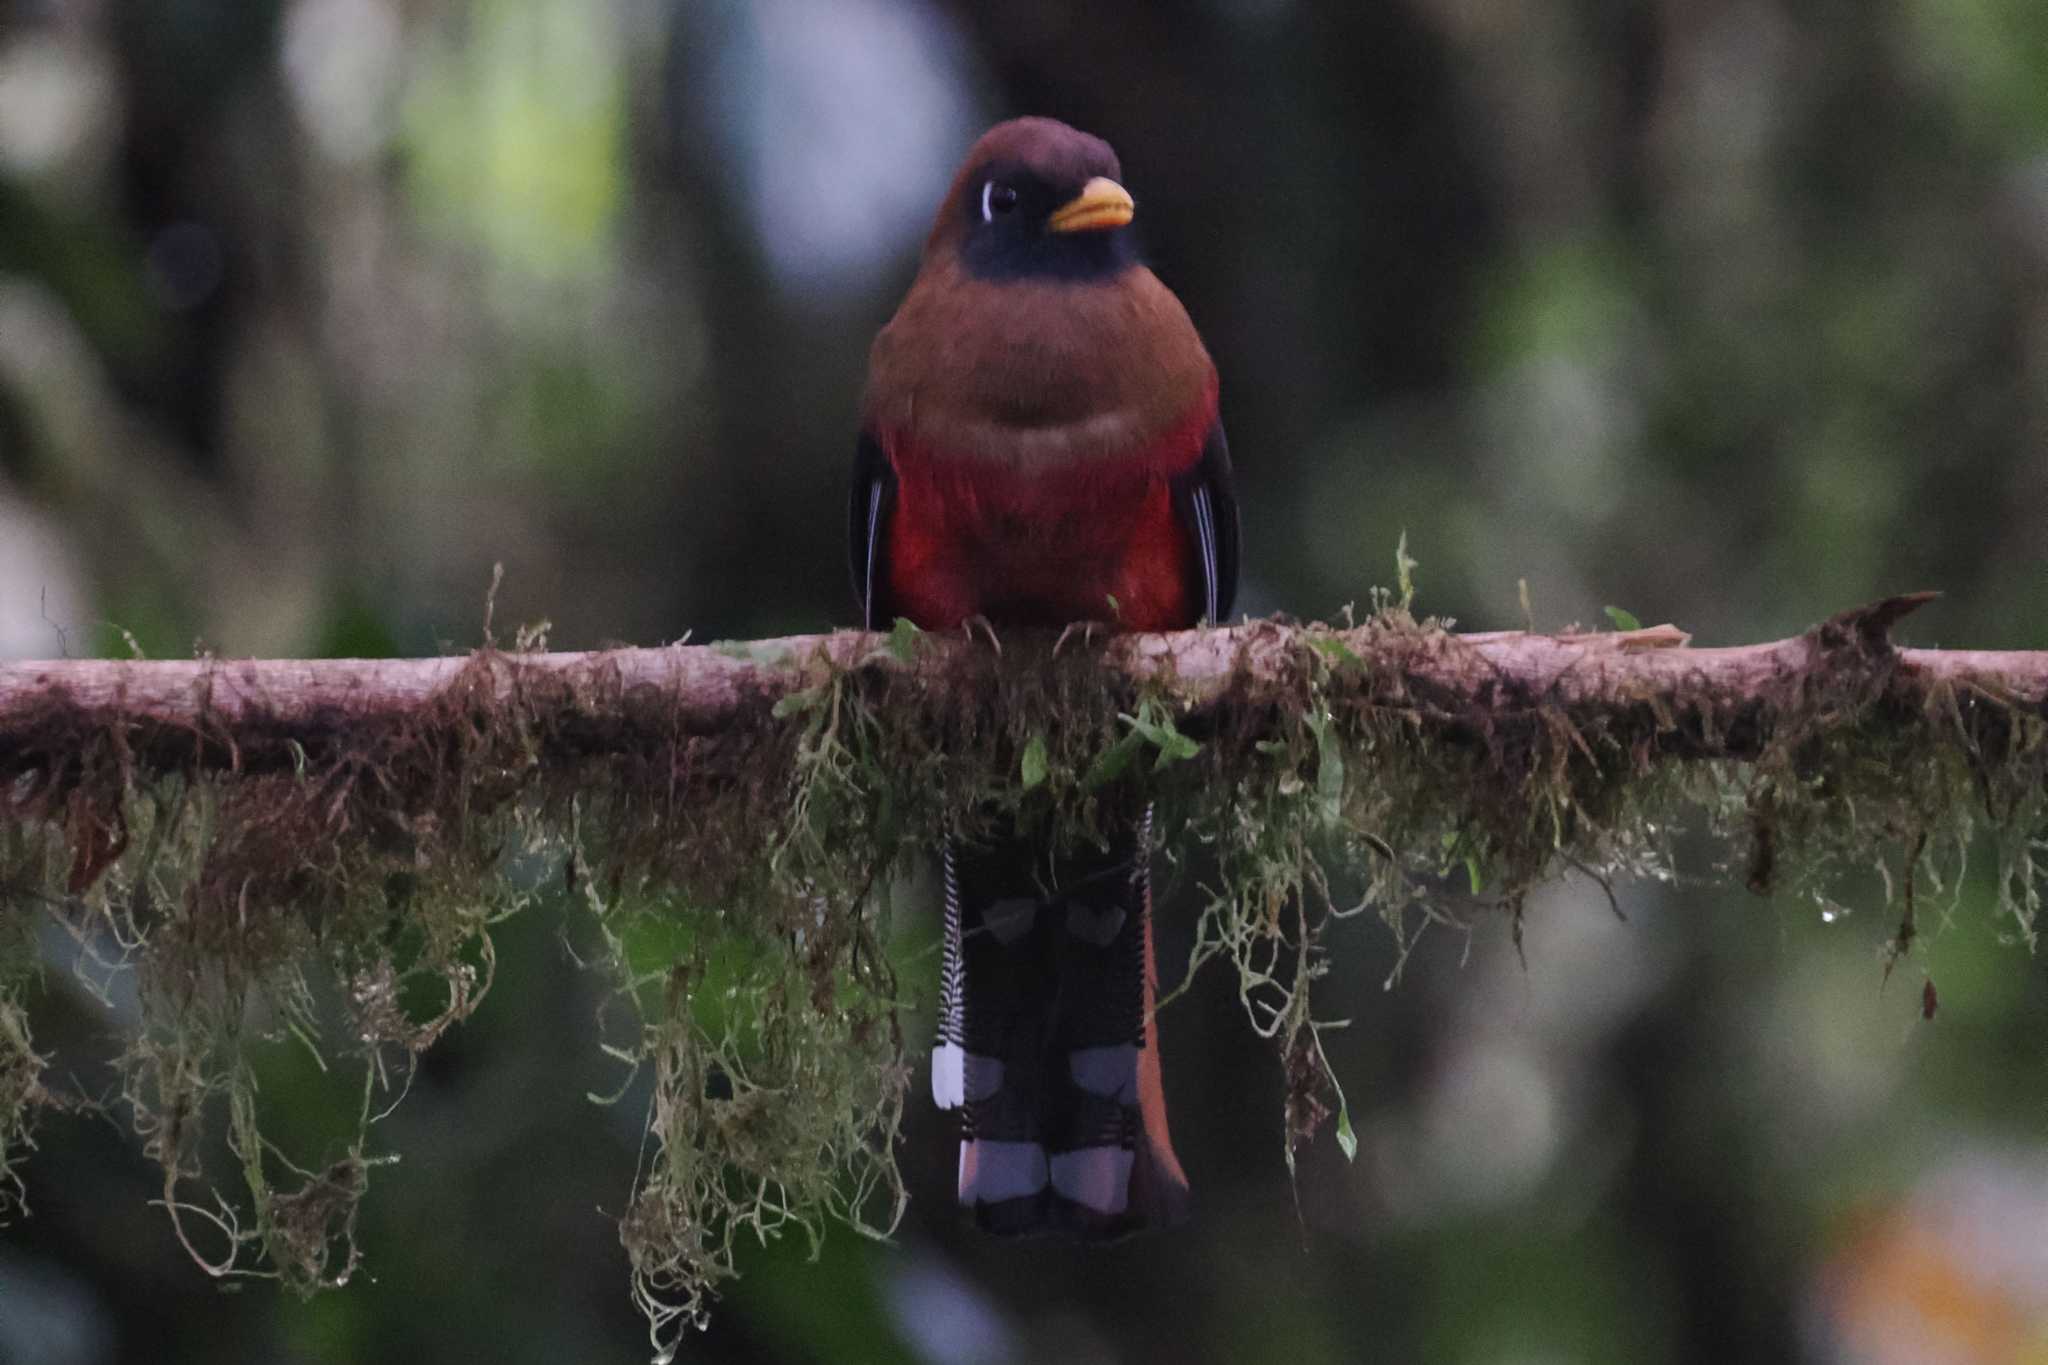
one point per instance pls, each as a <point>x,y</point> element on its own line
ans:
<point>1082,543</point>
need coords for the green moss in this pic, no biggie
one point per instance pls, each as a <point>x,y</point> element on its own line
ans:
<point>21,1067</point>
<point>737,879</point>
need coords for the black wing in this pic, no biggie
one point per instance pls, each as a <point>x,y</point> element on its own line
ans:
<point>873,495</point>
<point>1206,500</point>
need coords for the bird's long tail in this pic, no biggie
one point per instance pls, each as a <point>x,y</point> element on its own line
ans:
<point>1046,1042</point>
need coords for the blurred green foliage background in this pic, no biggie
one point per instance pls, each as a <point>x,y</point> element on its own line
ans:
<point>1730,312</point>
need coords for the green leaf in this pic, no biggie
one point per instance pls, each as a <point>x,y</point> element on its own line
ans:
<point>1347,1140</point>
<point>1335,650</point>
<point>903,640</point>
<point>1032,767</point>
<point>1623,620</point>
<point>1156,725</point>
<point>1152,725</point>
<point>798,702</point>
<point>1347,1136</point>
<point>1111,762</point>
<point>1329,766</point>
<point>1472,873</point>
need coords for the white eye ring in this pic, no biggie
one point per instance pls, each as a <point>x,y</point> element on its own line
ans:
<point>988,195</point>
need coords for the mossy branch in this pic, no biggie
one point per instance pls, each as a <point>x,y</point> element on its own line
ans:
<point>731,818</point>
<point>178,715</point>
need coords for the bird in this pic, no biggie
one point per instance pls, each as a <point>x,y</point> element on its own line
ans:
<point>1040,446</point>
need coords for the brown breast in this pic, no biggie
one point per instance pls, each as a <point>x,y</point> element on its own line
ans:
<point>1038,374</point>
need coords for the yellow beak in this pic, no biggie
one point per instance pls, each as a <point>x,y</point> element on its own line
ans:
<point>1102,203</point>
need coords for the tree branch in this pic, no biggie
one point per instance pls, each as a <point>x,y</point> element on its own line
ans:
<point>221,712</point>
<point>722,813</point>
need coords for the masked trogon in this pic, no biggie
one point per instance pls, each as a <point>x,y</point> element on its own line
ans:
<point>1040,446</point>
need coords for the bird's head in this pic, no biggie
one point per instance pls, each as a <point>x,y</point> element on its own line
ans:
<point>1036,199</point>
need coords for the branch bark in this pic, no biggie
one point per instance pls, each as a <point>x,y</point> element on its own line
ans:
<point>164,706</point>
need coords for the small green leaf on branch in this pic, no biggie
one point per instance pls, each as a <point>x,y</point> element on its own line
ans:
<point>796,703</point>
<point>1031,769</point>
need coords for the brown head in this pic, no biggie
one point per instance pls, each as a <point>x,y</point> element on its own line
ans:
<point>1033,334</point>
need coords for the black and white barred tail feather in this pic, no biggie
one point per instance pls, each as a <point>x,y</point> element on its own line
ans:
<point>1045,1041</point>
<point>948,1058</point>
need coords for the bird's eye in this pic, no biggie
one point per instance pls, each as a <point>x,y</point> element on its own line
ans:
<point>996,198</point>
